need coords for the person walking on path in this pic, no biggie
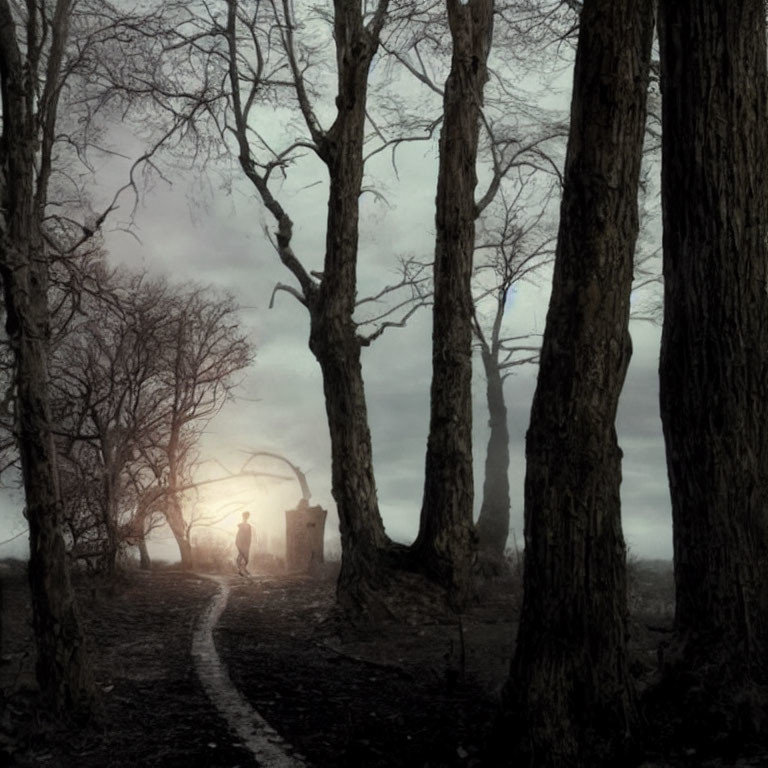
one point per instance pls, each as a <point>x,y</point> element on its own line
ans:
<point>243,544</point>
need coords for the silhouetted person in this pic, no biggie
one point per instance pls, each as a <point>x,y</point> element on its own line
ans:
<point>243,544</point>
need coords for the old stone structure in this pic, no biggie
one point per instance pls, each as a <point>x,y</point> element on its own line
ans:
<point>304,536</point>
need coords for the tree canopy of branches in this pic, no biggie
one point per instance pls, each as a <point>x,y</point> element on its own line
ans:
<point>254,56</point>
<point>103,374</point>
<point>202,351</point>
<point>135,380</point>
<point>54,60</point>
<point>111,380</point>
<point>224,64</point>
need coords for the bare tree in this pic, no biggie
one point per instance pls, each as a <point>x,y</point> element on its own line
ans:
<point>136,377</point>
<point>51,54</point>
<point>33,46</point>
<point>139,379</point>
<point>235,46</point>
<point>146,497</point>
<point>255,52</point>
<point>202,350</point>
<point>446,542</point>
<point>714,356</point>
<point>569,700</point>
<point>515,244</point>
<point>107,400</point>
<point>516,141</point>
<point>519,246</point>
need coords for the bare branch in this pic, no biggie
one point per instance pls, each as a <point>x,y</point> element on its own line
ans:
<point>288,289</point>
<point>300,476</point>
<point>367,340</point>
<point>313,125</point>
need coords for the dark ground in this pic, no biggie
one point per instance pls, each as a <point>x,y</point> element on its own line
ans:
<point>401,699</point>
<point>407,697</point>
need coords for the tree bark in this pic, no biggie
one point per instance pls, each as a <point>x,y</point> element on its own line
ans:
<point>330,297</point>
<point>61,662</point>
<point>175,518</point>
<point>361,579</point>
<point>111,466</point>
<point>112,541</point>
<point>714,355</point>
<point>145,562</point>
<point>493,522</point>
<point>447,541</point>
<point>569,700</point>
<point>333,334</point>
<point>174,450</point>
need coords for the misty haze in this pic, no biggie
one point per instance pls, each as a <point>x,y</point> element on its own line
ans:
<point>383,383</point>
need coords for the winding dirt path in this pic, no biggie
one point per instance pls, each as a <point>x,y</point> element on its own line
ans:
<point>264,742</point>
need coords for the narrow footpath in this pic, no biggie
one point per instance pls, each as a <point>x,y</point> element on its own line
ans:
<point>258,736</point>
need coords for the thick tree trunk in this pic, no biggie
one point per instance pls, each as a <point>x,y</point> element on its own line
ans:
<point>714,356</point>
<point>331,301</point>
<point>113,547</point>
<point>110,525</point>
<point>62,669</point>
<point>61,664</point>
<point>175,519</point>
<point>493,522</point>
<point>145,562</point>
<point>174,514</point>
<point>569,698</point>
<point>113,451</point>
<point>447,541</point>
<point>333,335</point>
<point>362,582</point>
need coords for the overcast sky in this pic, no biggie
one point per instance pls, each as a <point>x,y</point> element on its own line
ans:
<point>279,405</point>
<point>190,231</point>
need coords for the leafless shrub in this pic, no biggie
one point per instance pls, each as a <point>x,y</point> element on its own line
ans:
<point>212,554</point>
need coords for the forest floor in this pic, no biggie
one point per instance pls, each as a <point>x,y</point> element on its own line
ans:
<point>418,694</point>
